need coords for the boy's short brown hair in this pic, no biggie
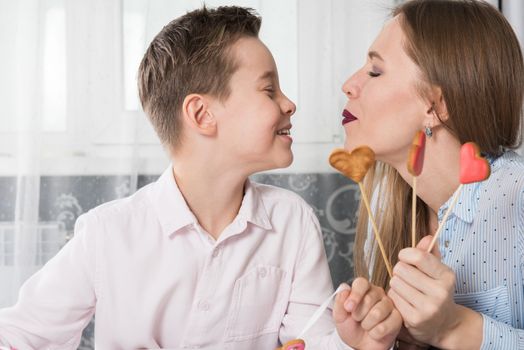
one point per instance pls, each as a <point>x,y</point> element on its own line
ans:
<point>191,55</point>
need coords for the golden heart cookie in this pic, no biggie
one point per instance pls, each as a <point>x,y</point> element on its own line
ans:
<point>354,164</point>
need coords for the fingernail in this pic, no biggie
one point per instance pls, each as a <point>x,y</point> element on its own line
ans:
<point>350,305</point>
<point>393,281</point>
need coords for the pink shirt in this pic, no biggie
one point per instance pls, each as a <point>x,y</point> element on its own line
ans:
<point>157,280</point>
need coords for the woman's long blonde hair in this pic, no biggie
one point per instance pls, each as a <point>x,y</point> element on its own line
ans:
<point>468,49</point>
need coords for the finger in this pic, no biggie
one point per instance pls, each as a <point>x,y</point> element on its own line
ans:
<point>378,313</point>
<point>408,293</point>
<point>372,297</point>
<point>415,278</point>
<point>424,245</point>
<point>359,288</point>
<point>404,307</point>
<point>339,312</point>
<point>425,262</point>
<point>390,327</point>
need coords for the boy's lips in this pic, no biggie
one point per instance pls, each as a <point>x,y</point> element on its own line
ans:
<point>348,117</point>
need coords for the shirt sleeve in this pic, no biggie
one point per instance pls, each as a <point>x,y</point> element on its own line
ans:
<point>500,335</point>
<point>56,303</point>
<point>312,285</point>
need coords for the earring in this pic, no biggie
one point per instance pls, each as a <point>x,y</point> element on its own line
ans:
<point>428,131</point>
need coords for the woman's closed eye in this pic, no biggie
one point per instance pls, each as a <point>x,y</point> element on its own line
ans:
<point>270,91</point>
<point>373,74</point>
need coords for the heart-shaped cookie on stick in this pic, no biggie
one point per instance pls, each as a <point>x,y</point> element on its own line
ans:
<point>296,344</point>
<point>355,165</point>
<point>473,168</point>
<point>416,154</point>
<point>415,165</point>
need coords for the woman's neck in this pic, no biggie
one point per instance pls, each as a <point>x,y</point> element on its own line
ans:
<point>440,175</point>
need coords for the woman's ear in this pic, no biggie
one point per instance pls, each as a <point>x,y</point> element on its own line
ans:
<point>197,115</point>
<point>437,112</point>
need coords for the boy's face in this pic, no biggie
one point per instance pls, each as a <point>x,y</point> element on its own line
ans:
<point>254,121</point>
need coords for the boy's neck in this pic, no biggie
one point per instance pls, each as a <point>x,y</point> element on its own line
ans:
<point>213,197</point>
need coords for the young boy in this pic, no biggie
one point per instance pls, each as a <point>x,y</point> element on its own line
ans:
<point>203,258</point>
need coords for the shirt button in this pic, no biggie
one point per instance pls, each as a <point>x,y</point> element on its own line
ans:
<point>262,272</point>
<point>203,305</point>
<point>446,244</point>
<point>216,252</point>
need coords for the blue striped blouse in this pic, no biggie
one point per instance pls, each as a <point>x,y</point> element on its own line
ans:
<point>483,242</point>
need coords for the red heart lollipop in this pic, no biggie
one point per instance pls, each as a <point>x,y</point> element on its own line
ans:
<point>296,344</point>
<point>416,154</point>
<point>473,167</point>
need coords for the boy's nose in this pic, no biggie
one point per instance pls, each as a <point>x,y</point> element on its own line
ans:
<point>288,107</point>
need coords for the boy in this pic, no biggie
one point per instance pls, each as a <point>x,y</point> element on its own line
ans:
<point>203,258</point>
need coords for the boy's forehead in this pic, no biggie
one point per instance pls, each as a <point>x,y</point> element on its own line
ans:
<point>253,57</point>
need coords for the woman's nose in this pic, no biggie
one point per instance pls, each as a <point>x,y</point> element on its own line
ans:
<point>350,87</point>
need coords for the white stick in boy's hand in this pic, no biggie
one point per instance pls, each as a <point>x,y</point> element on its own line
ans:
<point>365,317</point>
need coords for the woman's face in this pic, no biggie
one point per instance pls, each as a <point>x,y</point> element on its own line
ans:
<point>384,108</point>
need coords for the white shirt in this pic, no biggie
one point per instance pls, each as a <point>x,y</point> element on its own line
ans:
<point>157,280</point>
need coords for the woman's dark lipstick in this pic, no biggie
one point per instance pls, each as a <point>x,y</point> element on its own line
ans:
<point>348,117</point>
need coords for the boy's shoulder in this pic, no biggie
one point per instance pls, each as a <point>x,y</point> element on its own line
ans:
<point>124,207</point>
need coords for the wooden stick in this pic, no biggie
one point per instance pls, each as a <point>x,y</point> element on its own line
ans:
<point>414,213</point>
<point>375,230</point>
<point>455,197</point>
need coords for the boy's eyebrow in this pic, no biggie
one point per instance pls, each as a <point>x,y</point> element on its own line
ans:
<point>374,54</point>
<point>269,75</point>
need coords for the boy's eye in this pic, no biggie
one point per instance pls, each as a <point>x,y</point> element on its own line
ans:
<point>373,74</point>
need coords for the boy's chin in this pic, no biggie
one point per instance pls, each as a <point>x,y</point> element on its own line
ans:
<point>278,164</point>
<point>285,163</point>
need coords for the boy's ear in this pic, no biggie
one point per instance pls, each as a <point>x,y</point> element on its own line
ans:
<point>197,116</point>
<point>437,111</point>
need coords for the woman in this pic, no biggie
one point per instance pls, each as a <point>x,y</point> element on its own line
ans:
<point>454,70</point>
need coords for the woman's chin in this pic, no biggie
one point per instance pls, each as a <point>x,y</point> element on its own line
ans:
<point>350,146</point>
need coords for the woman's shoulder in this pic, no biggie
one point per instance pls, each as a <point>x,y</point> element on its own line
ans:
<point>508,171</point>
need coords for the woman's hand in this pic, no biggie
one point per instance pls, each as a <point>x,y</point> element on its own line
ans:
<point>422,289</point>
<point>365,317</point>
<point>406,342</point>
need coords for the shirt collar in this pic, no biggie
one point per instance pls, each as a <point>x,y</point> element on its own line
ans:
<point>171,208</point>
<point>252,208</point>
<point>466,205</point>
<point>468,199</point>
<point>174,214</point>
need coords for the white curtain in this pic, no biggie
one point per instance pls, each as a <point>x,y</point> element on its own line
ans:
<point>70,121</point>
<point>69,112</point>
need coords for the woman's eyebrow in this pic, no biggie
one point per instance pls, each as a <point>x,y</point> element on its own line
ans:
<point>374,54</point>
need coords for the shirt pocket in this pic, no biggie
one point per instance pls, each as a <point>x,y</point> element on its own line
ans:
<point>492,302</point>
<point>259,303</point>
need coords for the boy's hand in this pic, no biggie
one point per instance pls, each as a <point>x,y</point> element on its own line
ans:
<point>365,317</point>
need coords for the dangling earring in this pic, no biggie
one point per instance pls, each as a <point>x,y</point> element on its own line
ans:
<point>428,131</point>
